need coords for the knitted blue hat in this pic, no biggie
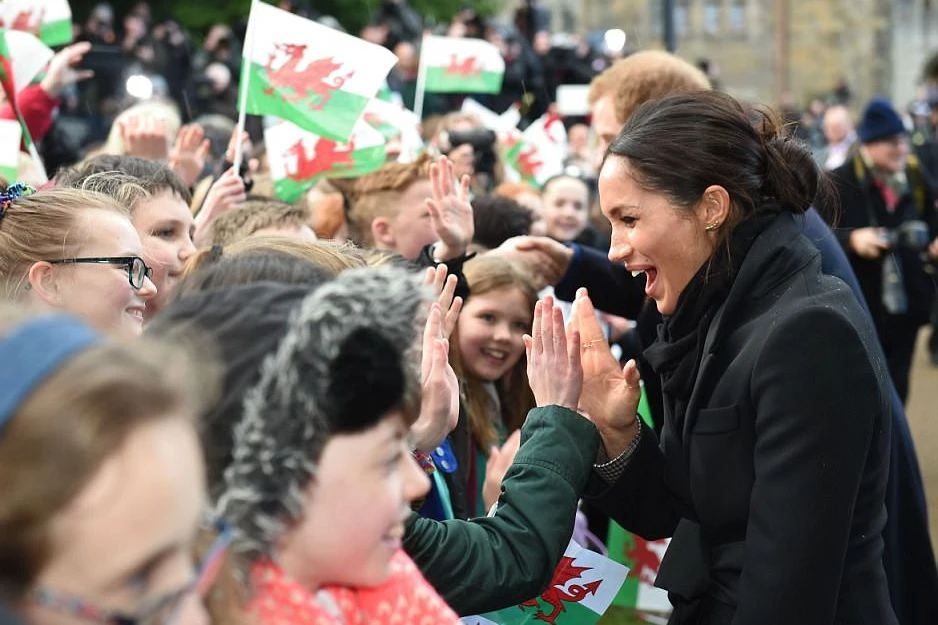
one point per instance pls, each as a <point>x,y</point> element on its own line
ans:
<point>880,121</point>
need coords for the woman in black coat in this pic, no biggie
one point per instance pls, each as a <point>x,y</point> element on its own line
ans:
<point>771,466</point>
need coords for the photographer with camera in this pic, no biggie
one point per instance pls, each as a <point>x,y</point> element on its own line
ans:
<point>470,146</point>
<point>888,229</point>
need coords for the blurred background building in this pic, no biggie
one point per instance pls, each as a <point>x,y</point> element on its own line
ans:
<point>778,50</point>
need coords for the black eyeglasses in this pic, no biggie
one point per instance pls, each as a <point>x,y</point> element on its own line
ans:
<point>137,270</point>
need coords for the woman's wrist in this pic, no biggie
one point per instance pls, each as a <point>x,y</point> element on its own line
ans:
<point>617,440</point>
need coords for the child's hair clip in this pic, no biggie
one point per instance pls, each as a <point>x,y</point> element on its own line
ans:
<point>13,192</point>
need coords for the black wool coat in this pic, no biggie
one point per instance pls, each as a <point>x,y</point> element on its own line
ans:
<point>773,484</point>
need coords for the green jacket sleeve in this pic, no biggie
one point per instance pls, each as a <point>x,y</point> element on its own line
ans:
<point>495,562</point>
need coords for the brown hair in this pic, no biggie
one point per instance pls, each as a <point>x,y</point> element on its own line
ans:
<point>377,195</point>
<point>643,76</point>
<point>514,190</point>
<point>254,215</point>
<point>488,273</point>
<point>128,179</point>
<point>682,144</point>
<point>40,227</point>
<point>328,255</point>
<point>68,427</point>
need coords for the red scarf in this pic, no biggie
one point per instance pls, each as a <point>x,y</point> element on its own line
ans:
<point>405,598</point>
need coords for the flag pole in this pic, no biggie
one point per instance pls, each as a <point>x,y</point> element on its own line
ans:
<point>421,80</point>
<point>246,60</point>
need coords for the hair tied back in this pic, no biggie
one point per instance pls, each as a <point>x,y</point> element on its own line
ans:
<point>11,193</point>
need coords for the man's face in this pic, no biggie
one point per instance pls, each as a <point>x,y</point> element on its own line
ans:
<point>605,126</point>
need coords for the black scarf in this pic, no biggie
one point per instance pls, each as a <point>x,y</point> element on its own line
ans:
<point>675,355</point>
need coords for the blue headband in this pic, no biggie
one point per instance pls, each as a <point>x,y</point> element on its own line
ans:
<point>32,352</point>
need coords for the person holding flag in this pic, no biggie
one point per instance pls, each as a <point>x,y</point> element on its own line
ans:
<point>38,102</point>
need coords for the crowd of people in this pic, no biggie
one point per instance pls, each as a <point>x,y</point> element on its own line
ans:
<point>390,400</point>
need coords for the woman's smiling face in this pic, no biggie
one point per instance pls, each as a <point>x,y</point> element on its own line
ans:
<point>651,235</point>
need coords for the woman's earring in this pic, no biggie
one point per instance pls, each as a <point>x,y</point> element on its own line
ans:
<point>711,227</point>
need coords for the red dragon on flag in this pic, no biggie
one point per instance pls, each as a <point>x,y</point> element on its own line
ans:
<point>315,82</point>
<point>644,561</point>
<point>326,156</point>
<point>559,592</point>
<point>469,66</point>
<point>25,21</point>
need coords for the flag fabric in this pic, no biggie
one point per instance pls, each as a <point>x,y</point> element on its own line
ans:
<point>538,153</point>
<point>20,56</point>
<point>393,121</point>
<point>10,137</point>
<point>50,20</point>
<point>643,559</point>
<point>582,589</point>
<point>23,57</point>
<point>461,65</point>
<point>298,159</point>
<point>311,75</point>
<point>504,123</point>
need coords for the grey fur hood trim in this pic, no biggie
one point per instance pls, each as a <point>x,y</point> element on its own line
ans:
<point>364,322</point>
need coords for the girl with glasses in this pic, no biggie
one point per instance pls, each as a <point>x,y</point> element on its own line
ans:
<point>100,477</point>
<point>75,251</point>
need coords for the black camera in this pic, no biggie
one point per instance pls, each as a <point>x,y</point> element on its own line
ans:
<point>912,234</point>
<point>482,141</point>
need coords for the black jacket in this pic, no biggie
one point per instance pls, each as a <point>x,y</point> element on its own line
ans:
<point>773,488</point>
<point>862,206</point>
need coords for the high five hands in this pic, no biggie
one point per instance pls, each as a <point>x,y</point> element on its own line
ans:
<point>611,393</point>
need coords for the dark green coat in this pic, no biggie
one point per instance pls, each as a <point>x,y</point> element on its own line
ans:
<point>495,562</point>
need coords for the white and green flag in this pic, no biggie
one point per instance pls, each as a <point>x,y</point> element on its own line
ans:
<point>536,154</point>
<point>26,55</point>
<point>582,589</point>
<point>10,136</point>
<point>460,65</point>
<point>50,20</point>
<point>504,123</point>
<point>298,159</point>
<point>311,75</point>
<point>394,121</point>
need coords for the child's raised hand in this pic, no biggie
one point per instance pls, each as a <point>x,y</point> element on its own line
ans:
<point>145,136</point>
<point>444,286</point>
<point>450,211</point>
<point>497,466</point>
<point>554,370</point>
<point>189,153</point>
<point>439,400</point>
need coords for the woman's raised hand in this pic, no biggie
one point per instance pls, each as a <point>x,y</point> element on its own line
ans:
<point>610,394</point>
<point>554,370</point>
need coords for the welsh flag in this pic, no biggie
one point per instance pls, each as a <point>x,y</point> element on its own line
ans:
<point>50,20</point>
<point>392,121</point>
<point>581,591</point>
<point>298,159</point>
<point>538,153</point>
<point>313,76</point>
<point>460,65</point>
<point>10,136</point>
<point>504,123</point>
<point>643,558</point>
<point>22,57</point>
